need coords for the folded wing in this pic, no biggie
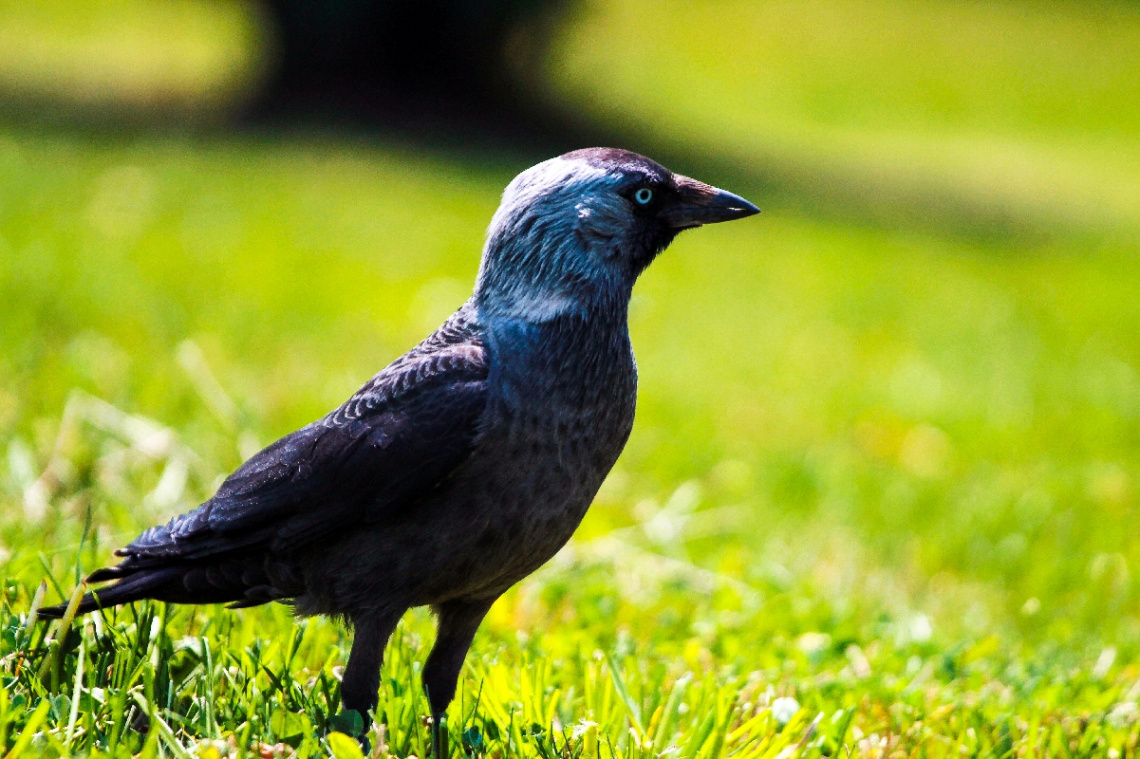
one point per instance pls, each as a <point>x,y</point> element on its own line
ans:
<point>372,460</point>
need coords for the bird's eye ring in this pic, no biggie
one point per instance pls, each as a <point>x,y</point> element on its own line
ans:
<point>643,196</point>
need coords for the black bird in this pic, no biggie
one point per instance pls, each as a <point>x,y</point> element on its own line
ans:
<point>466,463</point>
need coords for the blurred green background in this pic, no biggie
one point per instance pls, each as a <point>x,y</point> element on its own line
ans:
<point>902,405</point>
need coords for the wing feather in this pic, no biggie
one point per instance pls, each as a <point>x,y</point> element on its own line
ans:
<point>372,459</point>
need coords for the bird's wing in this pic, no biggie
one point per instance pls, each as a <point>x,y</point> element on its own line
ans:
<point>372,459</point>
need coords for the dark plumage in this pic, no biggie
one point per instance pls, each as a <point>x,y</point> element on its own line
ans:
<point>466,463</point>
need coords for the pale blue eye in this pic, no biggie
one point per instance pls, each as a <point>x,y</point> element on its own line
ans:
<point>643,196</point>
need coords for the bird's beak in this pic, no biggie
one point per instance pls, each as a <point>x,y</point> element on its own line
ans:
<point>698,203</point>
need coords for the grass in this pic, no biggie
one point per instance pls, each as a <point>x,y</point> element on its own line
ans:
<point>190,59</point>
<point>880,493</point>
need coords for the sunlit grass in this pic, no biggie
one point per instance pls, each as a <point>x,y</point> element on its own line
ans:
<point>185,57</point>
<point>844,434</point>
<point>883,474</point>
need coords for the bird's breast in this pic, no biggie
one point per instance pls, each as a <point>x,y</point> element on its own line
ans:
<point>554,426</point>
<point>565,433</point>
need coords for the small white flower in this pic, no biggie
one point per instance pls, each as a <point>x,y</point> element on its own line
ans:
<point>1123,714</point>
<point>810,642</point>
<point>784,708</point>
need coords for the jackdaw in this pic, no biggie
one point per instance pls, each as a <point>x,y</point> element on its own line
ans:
<point>469,461</point>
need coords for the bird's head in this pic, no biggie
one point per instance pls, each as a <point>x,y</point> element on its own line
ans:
<point>580,228</point>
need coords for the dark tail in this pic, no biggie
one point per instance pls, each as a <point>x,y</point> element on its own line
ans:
<point>133,587</point>
<point>241,581</point>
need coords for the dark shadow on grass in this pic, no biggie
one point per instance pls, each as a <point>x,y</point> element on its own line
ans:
<point>516,124</point>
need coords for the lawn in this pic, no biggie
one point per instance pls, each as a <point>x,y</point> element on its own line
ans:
<point>880,494</point>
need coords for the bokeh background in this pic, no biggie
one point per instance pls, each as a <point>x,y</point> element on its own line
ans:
<point>895,418</point>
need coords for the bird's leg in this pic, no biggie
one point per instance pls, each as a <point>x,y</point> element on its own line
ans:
<point>458,621</point>
<point>360,686</point>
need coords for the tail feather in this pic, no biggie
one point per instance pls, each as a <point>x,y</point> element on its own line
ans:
<point>245,583</point>
<point>135,587</point>
<point>106,573</point>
